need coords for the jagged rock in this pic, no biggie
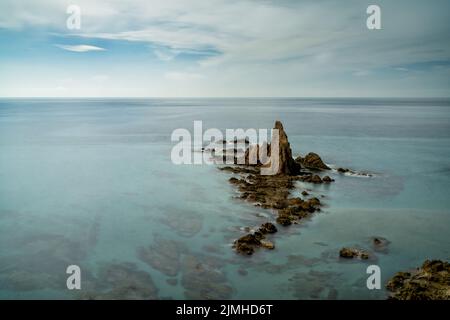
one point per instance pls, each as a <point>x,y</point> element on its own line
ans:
<point>284,220</point>
<point>246,244</point>
<point>252,155</point>
<point>312,161</point>
<point>311,179</point>
<point>430,282</point>
<point>342,170</point>
<point>350,253</point>
<point>313,202</point>
<point>287,164</point>
<point>327,179</point>
<point>268,228</point>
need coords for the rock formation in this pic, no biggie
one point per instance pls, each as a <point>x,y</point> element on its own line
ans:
<point>312,161</point>
<point>273,191</point>
<point>350,253</point>
<point>287,164</point>
<point>430,282</point>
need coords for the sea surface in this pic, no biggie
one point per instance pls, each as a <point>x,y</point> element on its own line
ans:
<point>90,182</point>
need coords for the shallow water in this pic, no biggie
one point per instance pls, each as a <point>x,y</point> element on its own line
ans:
<point>90,182</point>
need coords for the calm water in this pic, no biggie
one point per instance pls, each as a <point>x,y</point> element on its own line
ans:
<point>90,182</point>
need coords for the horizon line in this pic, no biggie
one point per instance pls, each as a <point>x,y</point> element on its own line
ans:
<point>225,97</point>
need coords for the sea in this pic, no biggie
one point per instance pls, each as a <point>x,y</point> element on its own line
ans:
<point>90,183</point>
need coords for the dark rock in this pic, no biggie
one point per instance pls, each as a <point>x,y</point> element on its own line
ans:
<point>234,180</point>
<point>342,170</point>
<point>305,193</point>
<point>380,244</point>
<point>284,221</point>
<point>316,179</point>
<point>268,228</point>
<point>430,282</point>
<point>327,179</point>
<point>312,161</point>
<point>246,244</point>
<point>350,253</point>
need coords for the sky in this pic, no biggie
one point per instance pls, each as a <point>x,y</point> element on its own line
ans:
<point>224,48</point>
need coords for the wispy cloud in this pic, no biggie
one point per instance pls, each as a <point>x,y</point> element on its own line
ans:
<point>246,47</point>
<point>80,48</point>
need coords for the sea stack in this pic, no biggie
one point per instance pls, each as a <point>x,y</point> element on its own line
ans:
<point>287,164</point>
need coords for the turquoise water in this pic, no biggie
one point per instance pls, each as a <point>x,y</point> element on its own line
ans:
<point>90,182</point>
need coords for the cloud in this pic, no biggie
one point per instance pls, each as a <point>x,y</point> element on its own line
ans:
<point>183,76</point>
<point>250,47</point>
<point>80,48</point>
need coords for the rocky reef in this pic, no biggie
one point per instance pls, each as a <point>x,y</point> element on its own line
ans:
<point>274,191</point>
<point>429,282</point>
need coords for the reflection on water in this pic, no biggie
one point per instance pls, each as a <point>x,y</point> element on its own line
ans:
<point>90,182</point>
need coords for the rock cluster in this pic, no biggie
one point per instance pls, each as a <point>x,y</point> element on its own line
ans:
<point>315,179</point>
<point>247,244</point>
<point>430,282</point>
<point>273,191</point>
<point>350,253</point>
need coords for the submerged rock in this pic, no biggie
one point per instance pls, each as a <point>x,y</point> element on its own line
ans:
<point>164,256</point>
<point>187,224</point>
<point>430,282</point>
<point>203,279</point>
<point>312,161</point>
<point>123,281</point>
<point>380,244</point>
